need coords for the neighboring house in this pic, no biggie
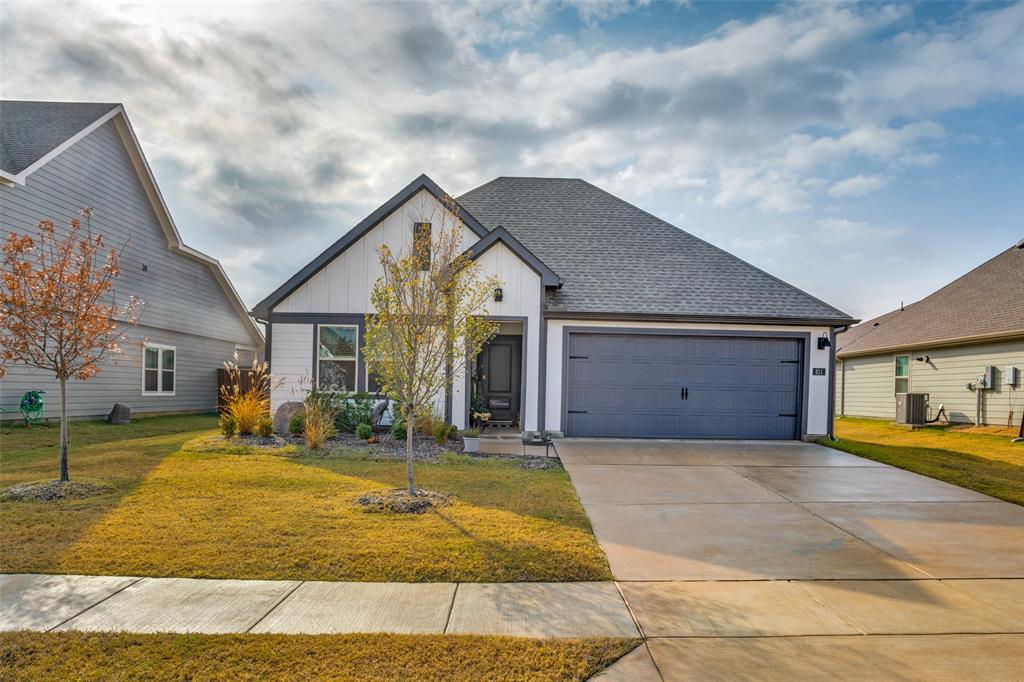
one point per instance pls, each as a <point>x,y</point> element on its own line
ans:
<point>57,157</point>
<point>613,322</point>
<point>941,346</point>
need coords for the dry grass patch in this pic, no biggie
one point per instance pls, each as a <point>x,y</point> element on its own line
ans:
<point>106,656</point>
<point>983,462</point>
<point>263,515</point>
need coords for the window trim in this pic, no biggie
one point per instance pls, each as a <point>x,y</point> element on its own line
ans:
<point>160,347</point>
<point>355,358</point>
<point>416,227</point>
<point>897,377</point>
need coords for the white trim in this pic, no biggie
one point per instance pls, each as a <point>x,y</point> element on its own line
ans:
<point>19,178</point>
<point>338,358</point>
<point>160,348</point>
<point>896,377</point>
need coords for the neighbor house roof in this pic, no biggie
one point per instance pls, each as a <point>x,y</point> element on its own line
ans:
<point>33,133</point>
<point>985,304</point>
<point>618,260</point>
<point>31,130</point>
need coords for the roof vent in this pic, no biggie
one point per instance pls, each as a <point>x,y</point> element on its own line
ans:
<point>1020,244</point>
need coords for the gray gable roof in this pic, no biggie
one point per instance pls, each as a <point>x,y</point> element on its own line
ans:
<point>31,130</point>
<point>617,259</point>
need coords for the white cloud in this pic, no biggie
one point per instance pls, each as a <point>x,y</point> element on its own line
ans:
<point>857,186</point>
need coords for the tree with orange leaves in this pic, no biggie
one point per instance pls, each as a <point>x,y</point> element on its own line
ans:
<point>58,311</point>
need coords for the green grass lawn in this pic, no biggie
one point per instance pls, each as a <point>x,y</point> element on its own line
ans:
<point>106,656</point>
<point>181,508</point>
<point>989,464</point>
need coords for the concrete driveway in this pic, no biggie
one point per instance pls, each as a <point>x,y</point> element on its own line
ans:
<point>745,560</point>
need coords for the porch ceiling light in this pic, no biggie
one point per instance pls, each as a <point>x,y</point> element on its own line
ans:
<point>498,295</point>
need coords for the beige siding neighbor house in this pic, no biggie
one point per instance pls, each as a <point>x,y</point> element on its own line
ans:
<point>943,346</point>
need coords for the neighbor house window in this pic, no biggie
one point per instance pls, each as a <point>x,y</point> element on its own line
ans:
<point>337,354</point>
<point>158,369</point>
<point>421,243</point>
<point>902,374</point>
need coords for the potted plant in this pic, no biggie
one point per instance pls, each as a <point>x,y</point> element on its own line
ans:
<point>471,440</point>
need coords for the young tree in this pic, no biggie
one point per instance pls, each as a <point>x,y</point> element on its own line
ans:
<point>431,308</point>
<point>57,307</point>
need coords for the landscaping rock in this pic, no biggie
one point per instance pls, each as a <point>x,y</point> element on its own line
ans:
<point>120,414</point>
<point>52,491</point>
<point>399,501</point>
<point>284,415</point>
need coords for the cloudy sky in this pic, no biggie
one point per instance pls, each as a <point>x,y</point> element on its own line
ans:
<point>866,153</point>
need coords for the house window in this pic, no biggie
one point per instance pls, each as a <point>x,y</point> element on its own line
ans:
<point>421,243</point>
<point>902,374</point>
<point>158,369</point>
<point>337,353</point>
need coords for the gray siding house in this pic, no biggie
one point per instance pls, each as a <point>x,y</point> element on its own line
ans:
<point>614,323</point>
<point>941,346</point>
<point>57,157</point>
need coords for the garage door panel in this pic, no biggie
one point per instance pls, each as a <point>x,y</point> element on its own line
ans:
<point>630,385</point>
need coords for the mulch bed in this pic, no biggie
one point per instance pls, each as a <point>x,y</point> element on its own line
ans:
<point>399,501</point>
<point>52,491</point>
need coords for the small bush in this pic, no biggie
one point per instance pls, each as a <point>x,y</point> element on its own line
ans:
<point>249,405</point>
<point>297,424</point>
<point>427,422</point>
<point>399,431</point>
<point>265,427</point>
<point>353,411</point>
<point>441,433</point>
<point>228,425</point>
<point>364,431</point>
<point>470,433</point>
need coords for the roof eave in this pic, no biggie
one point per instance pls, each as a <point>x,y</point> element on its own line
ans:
<point>714,319</point>
<point>548,277</point>
<point>262,309</point>
<point>934,343</point>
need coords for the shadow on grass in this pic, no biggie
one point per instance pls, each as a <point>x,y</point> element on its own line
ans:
<point>999,479</point>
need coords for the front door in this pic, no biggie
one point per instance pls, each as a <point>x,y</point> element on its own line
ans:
<point>499,368</point>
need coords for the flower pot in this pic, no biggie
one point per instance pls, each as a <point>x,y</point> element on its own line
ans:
<point>470,444</point>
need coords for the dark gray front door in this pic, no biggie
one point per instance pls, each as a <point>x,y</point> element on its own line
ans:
<point>668,386</point>
<point>499,365</point>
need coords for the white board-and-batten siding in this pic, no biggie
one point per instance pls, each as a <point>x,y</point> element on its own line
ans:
<point>343,286</point>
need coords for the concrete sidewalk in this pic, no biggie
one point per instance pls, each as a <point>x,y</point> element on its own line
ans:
<point>109,603</point>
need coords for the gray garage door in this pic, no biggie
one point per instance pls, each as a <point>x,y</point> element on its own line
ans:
<point>668,386</point>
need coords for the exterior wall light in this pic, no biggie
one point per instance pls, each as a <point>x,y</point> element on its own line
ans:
<point>498,295</point>
<point>823,342</point>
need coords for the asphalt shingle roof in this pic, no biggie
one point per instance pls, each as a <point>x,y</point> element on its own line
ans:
<point>987,301</point>
<point>617,258</point>
<point>31,130</point>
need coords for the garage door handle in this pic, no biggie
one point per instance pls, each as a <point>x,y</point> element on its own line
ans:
<point>684,393</point>
<point>787,414</point>
<point>577,411</point>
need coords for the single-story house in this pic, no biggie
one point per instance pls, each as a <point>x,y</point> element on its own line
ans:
<point>613,321</point>
<point>58,157</point>
<point>943,346</point>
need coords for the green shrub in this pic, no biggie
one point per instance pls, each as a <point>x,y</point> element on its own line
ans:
<point>364,431</point>
<point>353,411</point>
<point>265,427</point>
<point>442,432</point>
<point>297,424</point>
<point>228,425</point>
<point>399,431</point>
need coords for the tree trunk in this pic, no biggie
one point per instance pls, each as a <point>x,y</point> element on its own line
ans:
<point>408,448</point>
<point>64,430</point>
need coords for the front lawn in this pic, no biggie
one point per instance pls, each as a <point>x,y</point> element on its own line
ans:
<point>107,656</point>
<point>989,464</point>
<point>183,509</point>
